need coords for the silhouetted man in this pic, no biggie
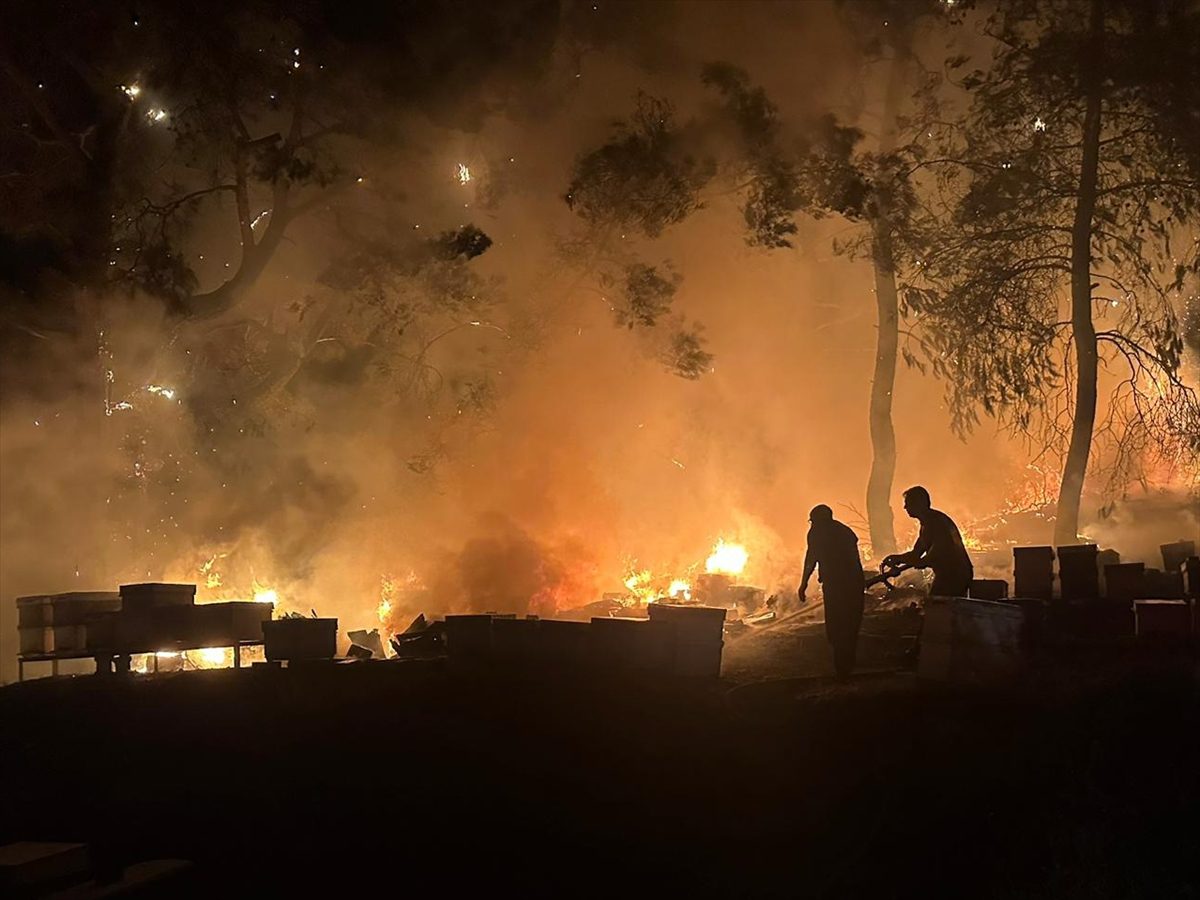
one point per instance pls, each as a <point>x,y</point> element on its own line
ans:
<point>833,548</point>
<point>939,547</point>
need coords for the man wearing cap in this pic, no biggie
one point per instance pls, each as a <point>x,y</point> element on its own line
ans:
<point>833,549</point>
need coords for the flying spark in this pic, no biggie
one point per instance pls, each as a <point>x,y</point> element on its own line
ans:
<point>464,174</point>
<point>1039,124</point>
<point>131,91</point>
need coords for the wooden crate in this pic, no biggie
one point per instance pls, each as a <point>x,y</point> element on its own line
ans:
<point>300,639</point>
<point>33,612</point>
<point>469,638</point>
<point>35,641</point>
<point>1079,572</point>
<point>563,644</point>
<point>974,641</point>
<point>1164,619</point>
<point>70,638</point>
<point>1124,581</point>
<point>141,597</point>
<point>77,607</point>
<point>989,589</point>
<point>224,624</point>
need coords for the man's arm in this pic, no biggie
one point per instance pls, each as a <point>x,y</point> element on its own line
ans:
<point>810,563</point>
<point>913,557</point>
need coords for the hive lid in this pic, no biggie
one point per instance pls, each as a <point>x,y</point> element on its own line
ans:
<point>157,586</point>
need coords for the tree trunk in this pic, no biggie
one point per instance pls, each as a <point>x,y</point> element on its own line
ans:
<point>1083,329</point>
<point>883,435</point>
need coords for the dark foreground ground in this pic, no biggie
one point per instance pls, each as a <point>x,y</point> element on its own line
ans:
<point>774,782</point>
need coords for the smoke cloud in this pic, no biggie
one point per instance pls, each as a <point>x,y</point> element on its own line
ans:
<point>515,452</point>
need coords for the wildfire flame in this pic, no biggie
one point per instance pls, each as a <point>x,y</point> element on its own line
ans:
<point>210,657</point>
<point>638,584</point>
<point>972,542</point>
<point>264,594</point>
<point>727,559</point>
<point>212,578</point>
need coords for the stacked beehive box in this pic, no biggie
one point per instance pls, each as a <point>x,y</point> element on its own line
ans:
<point>58,623</point>
<point>1033,573</point>
<point>673,640</point>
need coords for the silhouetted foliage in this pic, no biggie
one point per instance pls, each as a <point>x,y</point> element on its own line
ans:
<point>645,178</point>
<point>685,354</point>
<point>467,242</point>
<point>646,294</point>
<point>1015,173</point>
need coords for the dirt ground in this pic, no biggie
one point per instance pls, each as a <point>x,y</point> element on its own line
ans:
<point>774,781</point>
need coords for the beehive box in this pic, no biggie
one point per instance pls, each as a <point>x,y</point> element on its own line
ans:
<point>515,641</point>
<point>973,641</point>
<point>33,612</point>
<point>633,645</point>
<point>1033,572</point>
<point>1124,581</point>
<point>1163,619</point>
<point>699,633</point>
<point>33,868</point>
<point>1079,572</point>
<point>35,641</point>
<point>563,644</point>
<point>300,639</point>
<point>153,628</point>
<point>102,631</point>
<point>469,638</point>
<point>1175,556</point>
<point>77,607</point>
<point>223,624</point>
<point>1159,585</point>
<point>989,589</point>
<point>136,598</point>
<point>70,638</point>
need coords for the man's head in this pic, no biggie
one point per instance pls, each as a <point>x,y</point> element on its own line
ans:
<point>820,515</point>
<point>917,502</point>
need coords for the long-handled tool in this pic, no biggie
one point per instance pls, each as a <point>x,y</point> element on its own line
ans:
<point>885,576</point>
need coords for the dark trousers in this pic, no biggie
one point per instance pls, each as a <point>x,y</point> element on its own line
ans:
<point>843,618</point>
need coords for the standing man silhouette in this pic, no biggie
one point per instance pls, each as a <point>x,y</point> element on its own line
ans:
<point>939,547</point>
<point>833,548</point>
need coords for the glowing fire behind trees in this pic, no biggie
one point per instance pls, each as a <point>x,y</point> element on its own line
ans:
<point>343,418</point>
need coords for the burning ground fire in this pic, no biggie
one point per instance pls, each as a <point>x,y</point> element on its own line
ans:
<point>644,587</point>
<point>213,589</point>
<point>565,586</point>
<point>217,592</point>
